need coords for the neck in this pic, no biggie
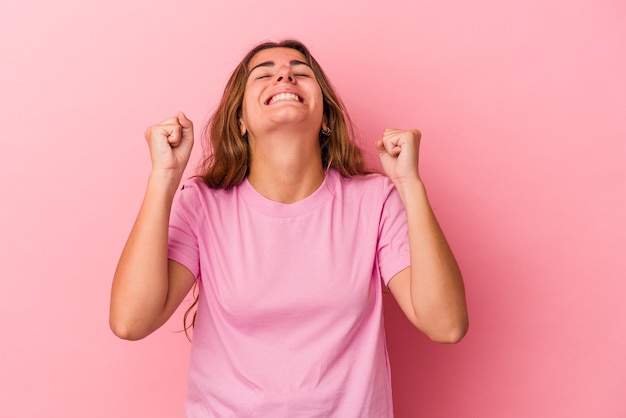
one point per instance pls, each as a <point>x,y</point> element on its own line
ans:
<point>285,168</point>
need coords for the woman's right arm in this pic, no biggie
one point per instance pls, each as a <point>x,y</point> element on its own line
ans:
<point>147,287</point>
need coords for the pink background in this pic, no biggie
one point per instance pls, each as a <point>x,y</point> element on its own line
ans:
<point>522,106</point>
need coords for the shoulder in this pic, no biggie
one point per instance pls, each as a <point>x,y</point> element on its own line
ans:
<point>194,183</point>
<point>373,185</point>
<point>376,191</point>
<point>193,196</point>
<point>364,193</point>
<point>190,191</point>
<point>197,197</point>
<point>195,187</point>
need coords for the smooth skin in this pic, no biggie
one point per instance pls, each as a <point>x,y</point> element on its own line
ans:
<point>147,287</point>
<point>285,167</point>
<point>430,292</point>
<point>286,163</point>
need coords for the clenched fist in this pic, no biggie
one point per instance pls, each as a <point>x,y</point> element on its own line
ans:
<point>170,144</point>
<point>399,154</point>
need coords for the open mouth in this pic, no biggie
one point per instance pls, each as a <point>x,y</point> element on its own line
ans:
<point>284,97</point>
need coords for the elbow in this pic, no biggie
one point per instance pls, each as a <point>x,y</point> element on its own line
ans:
<point>453,335</point>
<point>447,333</point>
<point>125,330</point>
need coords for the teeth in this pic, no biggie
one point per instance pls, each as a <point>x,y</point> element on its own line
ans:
<point>284,96</point>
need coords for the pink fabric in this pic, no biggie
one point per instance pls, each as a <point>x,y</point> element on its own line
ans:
<point>289,322</point>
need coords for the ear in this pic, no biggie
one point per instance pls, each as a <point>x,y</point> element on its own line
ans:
<point>242,127</point>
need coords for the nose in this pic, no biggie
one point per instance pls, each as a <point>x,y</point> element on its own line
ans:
<point>285,74</point>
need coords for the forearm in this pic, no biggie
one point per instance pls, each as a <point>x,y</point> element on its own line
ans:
<point>436,285</point>
<point>140,284</point>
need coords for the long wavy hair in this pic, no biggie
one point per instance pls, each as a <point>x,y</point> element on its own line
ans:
<point>227,154</point>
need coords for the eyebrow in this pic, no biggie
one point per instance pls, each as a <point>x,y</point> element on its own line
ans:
<point>292,63</point>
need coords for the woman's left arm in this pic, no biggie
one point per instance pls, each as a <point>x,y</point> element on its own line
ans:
<point>431,291</point>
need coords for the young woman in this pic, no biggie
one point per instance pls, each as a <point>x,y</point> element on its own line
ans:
<point>290,240</point>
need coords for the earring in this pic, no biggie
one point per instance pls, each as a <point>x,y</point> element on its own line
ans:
<point>326,132</point>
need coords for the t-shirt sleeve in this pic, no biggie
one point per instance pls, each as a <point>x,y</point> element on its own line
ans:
<point>182,236</point>
<point>393,238</point>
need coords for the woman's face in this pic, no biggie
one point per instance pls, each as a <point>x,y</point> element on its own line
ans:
<point>281,91</point>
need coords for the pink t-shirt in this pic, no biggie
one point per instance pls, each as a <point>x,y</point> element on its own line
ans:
<point>289,322</point>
